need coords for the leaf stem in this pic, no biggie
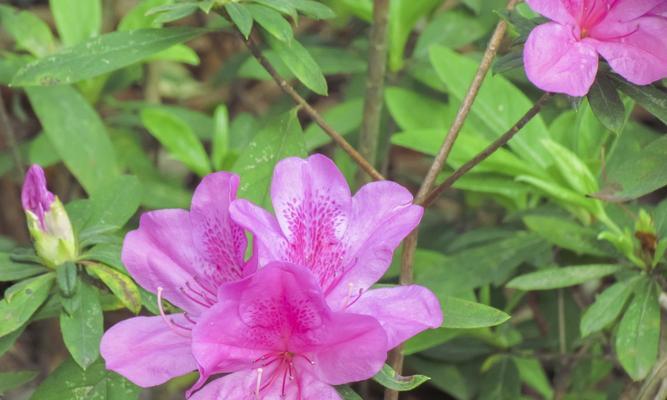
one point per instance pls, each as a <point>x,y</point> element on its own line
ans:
<point>374,100</point>
<point>303,104</point>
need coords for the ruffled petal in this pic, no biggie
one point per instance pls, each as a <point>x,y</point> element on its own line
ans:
<point>627,10</point>
<point>352,348</point>
<point>220,243</point>
<point>561,11</point>
<point>161,253</point>
<point>556,62</point>
<point>382,216</point>
<point>236,386</point>
<point>146,351</point>
<point>641,56</point>
<point>268,238</point>
<point>402,311</point>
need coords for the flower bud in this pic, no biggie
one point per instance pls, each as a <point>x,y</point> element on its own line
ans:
<point>48,222</point>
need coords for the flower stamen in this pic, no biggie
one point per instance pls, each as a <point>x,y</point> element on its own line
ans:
<point>170,323</point>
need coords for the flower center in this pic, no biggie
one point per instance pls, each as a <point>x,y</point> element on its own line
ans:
<point>284,370</point>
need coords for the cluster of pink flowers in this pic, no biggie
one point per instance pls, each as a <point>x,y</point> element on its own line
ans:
<point>296,317</point>
<point>562,55</point>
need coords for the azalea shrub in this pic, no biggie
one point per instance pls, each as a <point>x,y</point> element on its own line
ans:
<point>333,200</point>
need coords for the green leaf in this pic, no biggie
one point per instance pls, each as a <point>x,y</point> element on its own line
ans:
<point>638,334</point>
<point>70,382</point>
<point>7,341</point>
<point>114,204</point>
<point>498,106</point>
<point>279,139</point>
<point>14,271</point>
<point>606,307</point>
<point>571,168</point>
<point>24,303</point>
<point>403,16</point>
<point>606,104</point>
<point>415,111</point>
<point>388,378</point>
<point>653,99</point>
<point>301,63</point>
<point>635,171</point>
<point>313,9</point>
<point>77,20</point>
<point>136,18</point>
<point>344,117</point>
<point>272,21</point>
<point>452,29</point>
<point>501,381</point>
<point>220,146</point>
<point>464,314</point>
<point>120,284</point>
<point>82,330</point>
<point>282,6</point>
<point>100,55</point>
<point>177,137</point>
<point>241,17</point>
<point>567,234</point>
<point>347,393</point>
<point>532,373</point>
<point>108,254</point>
<point>29,32</point>
<point>11,380</point>
<point>66,277</point>
<point>67,120</point>
<point>554,278</point>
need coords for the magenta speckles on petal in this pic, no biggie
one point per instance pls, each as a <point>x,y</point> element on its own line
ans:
<point>561,56</point>
<point>35,197</point>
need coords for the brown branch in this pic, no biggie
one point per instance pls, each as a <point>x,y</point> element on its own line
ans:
<point>410,242</point>
<point>303,104</point>
<point>10,136</point>
<point>373,102</point>
<point>484,154</point>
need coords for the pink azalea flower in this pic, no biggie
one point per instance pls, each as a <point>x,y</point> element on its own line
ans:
<point>346,241</point>
<point>278,339</point>
<point>562,56</point>
<point>182,256</point>
<point>35,197</point>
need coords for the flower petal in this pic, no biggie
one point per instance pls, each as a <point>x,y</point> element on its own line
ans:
<point>236,386</point>
<point>556,62</point>
<point>352,348</point>
<point>35,197</point>
<point>220,243</point>
<point>382,216</point>
<point>627,10</point>
<point>160,253</point>
<point>640,57</point>
<point>403,311</point>
<point>268,237</point>
<point>561,11</point>
<point>146,351</point>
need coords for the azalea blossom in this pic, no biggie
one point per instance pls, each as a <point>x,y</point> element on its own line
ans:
<point>275,335</point>
<point>183,257</point>
<point>48,222</point>
<point>562,55</point>
<point>346,241</point>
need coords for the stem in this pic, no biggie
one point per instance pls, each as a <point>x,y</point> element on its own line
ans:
<point>303,104</point>
<point>377,67</point>
<point>652,383</point>
<point>410,242</point>
<point>484,154</point>
<point>7,128</point>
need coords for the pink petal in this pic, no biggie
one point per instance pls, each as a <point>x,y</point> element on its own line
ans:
<point>556,62</point>
<point>382,216</point>
<point>627,10</point>
<point>35,197</point>
<point>160,253</point>
<point>403,311</point>
<point>236,386</point>
<point>562,11</point>
<point>640,57</point>
<point>268,237</point>
<point>146,351</point>
<point>312,388</point>
<point>352,348</point>
<point>220,243</point>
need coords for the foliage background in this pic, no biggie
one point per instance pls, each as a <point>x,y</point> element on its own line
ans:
<point>578,186</point>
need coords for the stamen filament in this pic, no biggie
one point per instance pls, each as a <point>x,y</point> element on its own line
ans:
<point>166,319</point>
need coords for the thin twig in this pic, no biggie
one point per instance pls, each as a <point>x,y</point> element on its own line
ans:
<point>410,242</point>
<point>484,154</point>
<point>377,67</point>
<point>303,104</point>
<point>11,138</point>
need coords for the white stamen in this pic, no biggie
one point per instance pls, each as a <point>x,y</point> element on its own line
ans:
<point>164,316</point>
<point>259,382</point>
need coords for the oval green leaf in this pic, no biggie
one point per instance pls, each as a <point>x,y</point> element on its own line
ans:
<point>555,278</point>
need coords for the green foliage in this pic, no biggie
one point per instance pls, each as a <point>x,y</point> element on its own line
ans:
<point>554,278</point>
<point>388,378</point>
<point>82,329</point>
<point>22,300</point>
